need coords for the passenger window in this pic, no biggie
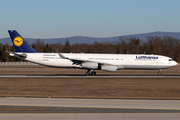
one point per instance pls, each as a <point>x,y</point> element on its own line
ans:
<point>170,60</point>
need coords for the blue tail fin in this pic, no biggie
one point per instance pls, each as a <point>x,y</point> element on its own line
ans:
<point>19,43</point>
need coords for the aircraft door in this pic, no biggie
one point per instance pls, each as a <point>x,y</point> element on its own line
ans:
<point>40,57</point>
<point>129,60</point>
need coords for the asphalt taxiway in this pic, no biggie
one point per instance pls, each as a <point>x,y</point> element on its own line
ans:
<point>84,76</point>
<point>63,108</point>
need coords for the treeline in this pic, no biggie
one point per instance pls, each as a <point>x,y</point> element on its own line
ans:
<point>4,56</point>
<point>167,46</point>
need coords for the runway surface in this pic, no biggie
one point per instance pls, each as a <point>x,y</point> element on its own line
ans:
<point>83,76</point>
<point>62,108</point>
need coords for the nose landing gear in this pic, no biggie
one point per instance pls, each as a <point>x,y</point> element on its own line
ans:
<point>159,72</point>
<point>90,72</point>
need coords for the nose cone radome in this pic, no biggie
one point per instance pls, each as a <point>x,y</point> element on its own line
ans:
<point>175,63</point>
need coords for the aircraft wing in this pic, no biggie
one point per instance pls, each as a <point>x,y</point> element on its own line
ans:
<point>90,64</point>
<point>79,61</point>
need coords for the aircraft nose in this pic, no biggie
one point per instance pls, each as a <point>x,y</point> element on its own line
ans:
<point>175,63</point>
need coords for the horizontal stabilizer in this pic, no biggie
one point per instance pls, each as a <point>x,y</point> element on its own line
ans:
<point>19,55</point>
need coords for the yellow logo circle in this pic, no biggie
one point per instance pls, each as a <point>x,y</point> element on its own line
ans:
<point>18,41</point>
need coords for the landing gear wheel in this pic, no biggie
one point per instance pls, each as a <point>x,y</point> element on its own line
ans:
<point>90,72</point>
<point>87,73</point>
<point>93,73</point>
<point>159,73</point>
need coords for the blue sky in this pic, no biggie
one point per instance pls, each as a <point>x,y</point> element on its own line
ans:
<point>93,18</point>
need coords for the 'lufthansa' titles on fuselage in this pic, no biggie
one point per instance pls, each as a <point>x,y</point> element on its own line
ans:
<point>146,57</point>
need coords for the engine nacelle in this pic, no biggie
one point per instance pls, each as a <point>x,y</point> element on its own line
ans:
<point>110,68</point>
<point>90,65</point>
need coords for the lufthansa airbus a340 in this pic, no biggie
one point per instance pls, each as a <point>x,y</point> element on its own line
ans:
<point>91,62</point>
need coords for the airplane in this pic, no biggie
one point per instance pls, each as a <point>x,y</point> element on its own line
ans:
<point>91,62</point>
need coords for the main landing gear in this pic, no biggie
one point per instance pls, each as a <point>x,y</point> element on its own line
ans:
<point>90,72</point>
<point>159,72</point>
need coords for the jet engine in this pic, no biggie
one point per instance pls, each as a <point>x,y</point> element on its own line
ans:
<point>90,65</point>
<point>110,68</point>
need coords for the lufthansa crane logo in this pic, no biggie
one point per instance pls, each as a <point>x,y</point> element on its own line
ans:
<point>18,41</point>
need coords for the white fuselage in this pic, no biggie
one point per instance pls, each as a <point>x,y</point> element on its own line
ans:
<point>122,61</point>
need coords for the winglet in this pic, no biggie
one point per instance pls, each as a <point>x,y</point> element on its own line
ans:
<point>19,43</point>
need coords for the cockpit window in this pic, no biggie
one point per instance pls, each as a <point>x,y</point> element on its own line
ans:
<point>170,59</point>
